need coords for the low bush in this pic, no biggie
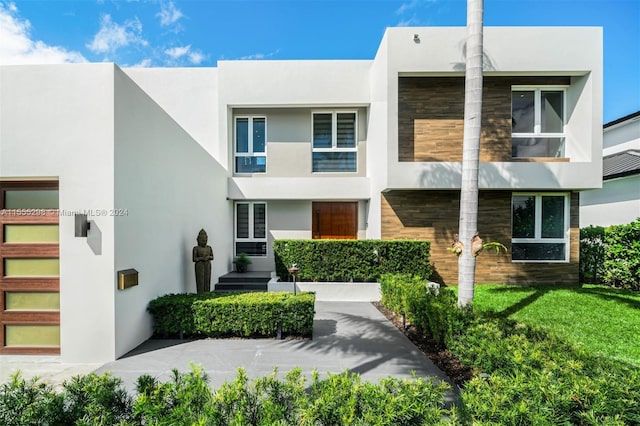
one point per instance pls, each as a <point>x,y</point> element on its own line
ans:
<point>187,399</point>
<point>523,375</point>
<point>351,260</point>
<point>173,314</point>
<point>255,314</point>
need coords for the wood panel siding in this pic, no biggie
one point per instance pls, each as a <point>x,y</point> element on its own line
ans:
<point>335,220</point>
<point>431,112</point>
<point>433,215</point>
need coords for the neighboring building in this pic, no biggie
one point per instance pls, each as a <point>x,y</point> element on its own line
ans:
<point>618,201</point>
<point>254,151</point>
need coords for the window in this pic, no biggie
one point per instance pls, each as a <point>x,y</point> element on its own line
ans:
<point>540,227</point>
<point>537,118</point>
<point>251,137</point>
<point>334,142</point>
<point>251,229</point>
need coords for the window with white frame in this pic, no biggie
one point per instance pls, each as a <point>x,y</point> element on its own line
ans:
<point>335,142</point>
<point>251,228</point>
<point>250,144</point>
<point>537,119</point>
<point>540,227</point>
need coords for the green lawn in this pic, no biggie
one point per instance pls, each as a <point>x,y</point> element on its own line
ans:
<point>603,320</point>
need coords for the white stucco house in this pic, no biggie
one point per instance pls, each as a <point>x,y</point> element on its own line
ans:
<point>618,201</point>
<point>254,151</point>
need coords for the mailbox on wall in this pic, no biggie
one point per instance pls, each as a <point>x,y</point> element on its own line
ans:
<point>127,278</point>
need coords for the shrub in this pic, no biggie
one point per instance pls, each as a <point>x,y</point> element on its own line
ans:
<point>173,313</point>
<point>28,402</point>
<point>611,255</point>
<point>347,260</point>
<point>591,254</point>
<point>255,314</point>
<point>622,256</point>
<point>95,400</point>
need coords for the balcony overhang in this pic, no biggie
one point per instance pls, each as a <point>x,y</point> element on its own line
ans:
<point>298,188</point>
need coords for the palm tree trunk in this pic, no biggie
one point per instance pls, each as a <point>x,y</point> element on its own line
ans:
<point>471,151</point>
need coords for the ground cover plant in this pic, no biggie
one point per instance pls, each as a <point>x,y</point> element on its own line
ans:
<point>187,399</point>
<point>523,374</point>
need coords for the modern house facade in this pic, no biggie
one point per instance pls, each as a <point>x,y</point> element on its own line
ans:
<point>618,201</point>
<point>254,151</point>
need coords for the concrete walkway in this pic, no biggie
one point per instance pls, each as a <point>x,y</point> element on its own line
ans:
<point>351,336</point>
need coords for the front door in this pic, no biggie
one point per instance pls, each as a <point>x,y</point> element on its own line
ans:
<point>29,268</point>
<point>333,220</point>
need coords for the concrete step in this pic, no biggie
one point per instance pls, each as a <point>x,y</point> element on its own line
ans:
<point>251,277</point>
<point>240,286</point>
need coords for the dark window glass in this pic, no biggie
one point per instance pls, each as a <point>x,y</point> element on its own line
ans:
<point>242,135</point>
<point>258,134</point>
<point>524,216</point>
<point>346,128</point>
<point>259,221</point>
<point>551,110</point>
<point>538,251</point>
<point>334,162</point>
<point>322,130</point>
<point>552,217</point>
<point>251,164</point>
<point>242,221</point>
<point>537,147</point>
<point>523,111</point>
<point>252,248</point>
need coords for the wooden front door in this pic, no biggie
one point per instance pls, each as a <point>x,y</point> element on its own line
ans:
<point>337,221</point>
<point>29,268</point>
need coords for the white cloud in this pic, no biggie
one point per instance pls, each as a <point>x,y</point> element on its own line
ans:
<point>145,63</point>
<point>177,52</point>
<point>169,14</point>
<point>184,54</point>
<point>17,47</point>
<point>113,36</point>
<point>259,56</point>
<point>407,6</point>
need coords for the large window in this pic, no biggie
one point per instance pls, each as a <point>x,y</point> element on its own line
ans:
<point>335,146</point>
<point>250,138</point>
<point>251,228</point>
<point>537,117</point>
<point>540,227</point>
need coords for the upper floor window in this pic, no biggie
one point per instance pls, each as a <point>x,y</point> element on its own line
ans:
<point>335,146</point>
<point>537,118</point>
<point>540,227</point>
<point>251,228</point>
<point>250,141</point>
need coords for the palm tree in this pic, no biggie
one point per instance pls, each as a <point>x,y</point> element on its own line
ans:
<point>471,151</point>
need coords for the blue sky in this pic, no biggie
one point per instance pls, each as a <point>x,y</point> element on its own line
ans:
<point>200,32</point>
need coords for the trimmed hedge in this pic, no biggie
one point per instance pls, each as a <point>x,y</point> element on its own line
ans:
<point>351,260</point>
<point>173,313</point>
<point>611,255</point>
<point>187,399</point>
<point>255,314</point>
<point>528,376</point>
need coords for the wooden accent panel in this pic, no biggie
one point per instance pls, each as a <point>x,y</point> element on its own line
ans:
<point>431,117</point>
<point>433,215</point>
<point>335,220</point>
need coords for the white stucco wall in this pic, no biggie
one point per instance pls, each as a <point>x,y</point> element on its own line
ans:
<point>57,121</point>
<point>621,137</point>
<point>189,96</point>
<point>170,187</point>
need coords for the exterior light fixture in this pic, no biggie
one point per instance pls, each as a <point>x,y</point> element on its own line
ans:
<point>81,225</point>
<point>416,38</point>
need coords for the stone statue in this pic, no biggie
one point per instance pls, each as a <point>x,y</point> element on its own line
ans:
<point>202,256</point>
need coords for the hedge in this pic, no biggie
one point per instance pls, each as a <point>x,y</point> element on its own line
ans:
<point>187,399</point>
<point>522,375</point>
<point>611,255</point>
<point>255,314</point>
<point>351,260</point>
<point>173,314</point>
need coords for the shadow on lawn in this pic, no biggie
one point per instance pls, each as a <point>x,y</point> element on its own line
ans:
<point>538,292</point>
<point>611,294</point>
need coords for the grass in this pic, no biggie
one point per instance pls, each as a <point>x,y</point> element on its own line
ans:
<point>602,320</point>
